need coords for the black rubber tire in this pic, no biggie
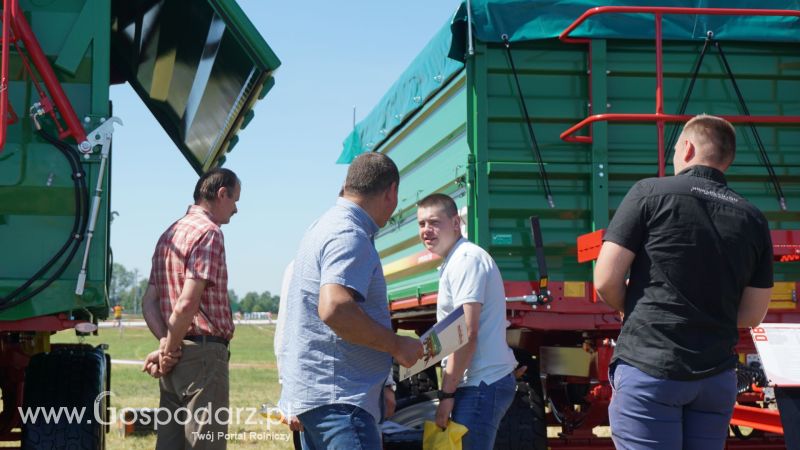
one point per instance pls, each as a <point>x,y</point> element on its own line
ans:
<point>69,376</point>
<point>524,427</point>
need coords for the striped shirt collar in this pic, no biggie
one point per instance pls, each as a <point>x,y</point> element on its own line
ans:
<point>200,211</point>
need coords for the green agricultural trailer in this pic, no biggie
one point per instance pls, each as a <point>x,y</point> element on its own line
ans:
<point>199,66</point>
<point>537,117</point>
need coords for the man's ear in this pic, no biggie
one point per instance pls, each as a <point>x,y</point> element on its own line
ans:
<point>222,193</point>
<point>690,152</point>
<point>392,192</point>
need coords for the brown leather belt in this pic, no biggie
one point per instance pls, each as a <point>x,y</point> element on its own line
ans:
<point>202,339</point>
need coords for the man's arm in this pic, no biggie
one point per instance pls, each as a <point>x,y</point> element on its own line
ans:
<point>753,307</point>
<point>610,272</point>
<point>183,313</point>
<point>151,310</point>
<point>458,362</point>
<point>339,310</point>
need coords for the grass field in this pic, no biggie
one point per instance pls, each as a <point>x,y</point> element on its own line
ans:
<point>253,378</point>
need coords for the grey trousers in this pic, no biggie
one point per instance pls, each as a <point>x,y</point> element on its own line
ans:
<point>192,394</point>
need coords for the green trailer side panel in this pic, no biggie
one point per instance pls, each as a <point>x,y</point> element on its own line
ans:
<point>431,153</point>
<point>599,105</point>
<point>36,191</point>
<point>503,186</point>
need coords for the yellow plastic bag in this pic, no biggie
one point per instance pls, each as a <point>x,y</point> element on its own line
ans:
<point>434,438</point>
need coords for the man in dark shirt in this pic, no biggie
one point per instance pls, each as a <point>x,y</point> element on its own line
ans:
<point>700,261</point>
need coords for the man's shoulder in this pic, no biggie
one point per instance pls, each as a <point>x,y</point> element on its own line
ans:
<point>652,185</point>
<point>191,227</point>
<point>199,222</point>
<point>336,223</point>
<point>330,234</point>
<point>469,252</point>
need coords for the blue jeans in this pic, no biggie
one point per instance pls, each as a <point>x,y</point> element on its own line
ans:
<point>480,409</point>
<point>339,427</point>
<point>653,413</point>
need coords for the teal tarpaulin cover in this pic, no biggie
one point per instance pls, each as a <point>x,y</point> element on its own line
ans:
<point>427,74</point>
<point>525,20</point>
<point>542,19</point>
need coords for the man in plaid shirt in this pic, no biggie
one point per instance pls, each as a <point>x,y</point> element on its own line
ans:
<point>186,307</point>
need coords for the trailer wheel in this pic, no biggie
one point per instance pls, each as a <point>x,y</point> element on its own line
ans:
<point>68,379</point>
<point>524,426</point>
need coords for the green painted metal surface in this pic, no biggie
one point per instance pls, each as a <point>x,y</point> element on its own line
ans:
<point>36,191</point>
<point>85,41</point>
<point>502,187</point>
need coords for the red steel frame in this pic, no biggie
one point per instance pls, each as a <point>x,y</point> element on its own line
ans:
<point>659,117</point>
<point>16,28</point>
<point>7,7</point>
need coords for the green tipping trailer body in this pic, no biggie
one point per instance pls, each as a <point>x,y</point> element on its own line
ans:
<point>200,67</point>
<point>200,81</point>
<point>460,129</point>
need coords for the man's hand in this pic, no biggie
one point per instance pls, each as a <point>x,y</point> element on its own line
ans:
<point>151,366</point>
<point>167,360</point>
<point>407,351</point>
<point>390,402</point>
<point>443,412</point>
<point>293,423</point>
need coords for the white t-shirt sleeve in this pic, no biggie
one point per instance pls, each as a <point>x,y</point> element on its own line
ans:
<point>468,280</point>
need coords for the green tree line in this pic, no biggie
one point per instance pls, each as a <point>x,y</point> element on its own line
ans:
<point>127,289</point>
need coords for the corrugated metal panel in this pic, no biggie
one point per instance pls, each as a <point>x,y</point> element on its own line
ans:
<point>431,152</point>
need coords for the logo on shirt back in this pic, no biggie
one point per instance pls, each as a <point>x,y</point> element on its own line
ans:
<point>714,194</point>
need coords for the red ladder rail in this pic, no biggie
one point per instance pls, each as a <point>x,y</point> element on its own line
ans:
<point>659,117</point>
<point>8,5</point>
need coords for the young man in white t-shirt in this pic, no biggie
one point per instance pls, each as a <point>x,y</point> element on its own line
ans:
<point>477,381</point>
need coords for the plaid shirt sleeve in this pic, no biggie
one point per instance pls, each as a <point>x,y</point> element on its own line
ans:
<point>206,258</point>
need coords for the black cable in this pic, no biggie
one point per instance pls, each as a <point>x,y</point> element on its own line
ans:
<point>538,243</point>
<point>76,234</point>
<point>534,144</point>
<point>767,164</point>
<point>673,138</point>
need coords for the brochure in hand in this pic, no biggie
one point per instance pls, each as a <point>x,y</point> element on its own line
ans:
<point>445,337</point>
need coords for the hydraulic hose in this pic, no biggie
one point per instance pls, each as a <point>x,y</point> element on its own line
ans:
<point>73,241</point>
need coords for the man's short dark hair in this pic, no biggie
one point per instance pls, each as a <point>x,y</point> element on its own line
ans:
<point>441,201</point>
<point>210,182</point>
<point>370,174</point>
<point>716,135</point>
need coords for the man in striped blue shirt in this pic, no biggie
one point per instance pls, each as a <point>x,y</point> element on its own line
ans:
<point>338,343</point>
